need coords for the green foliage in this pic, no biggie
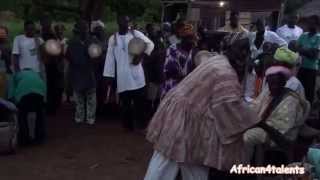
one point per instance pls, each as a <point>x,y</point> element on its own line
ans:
<point>15,27</point>
<point>133,8</point>
<point>153,12</point>
<point>146,10</point>
<point>293,5</point>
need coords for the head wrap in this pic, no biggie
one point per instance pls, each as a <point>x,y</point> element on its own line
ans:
<point>279,70</point>
<point>3,33</point>
<point>285,55</point>
<point>185,30</point>
<point>95,24</point>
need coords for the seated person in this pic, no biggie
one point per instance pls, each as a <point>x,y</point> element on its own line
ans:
<point>282,113</point>
<point>28,91</point>
<point>289,59</point>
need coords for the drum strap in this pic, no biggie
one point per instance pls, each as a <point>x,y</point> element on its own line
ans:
<point>115,36</point>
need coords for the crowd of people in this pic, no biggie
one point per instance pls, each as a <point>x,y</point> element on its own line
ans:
<point>199,109</point>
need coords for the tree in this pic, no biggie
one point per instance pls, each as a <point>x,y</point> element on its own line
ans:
<point>132,8</point>
<point>92,9</point>
<point>293,5</point>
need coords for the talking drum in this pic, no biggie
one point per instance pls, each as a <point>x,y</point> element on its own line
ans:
<point>136,46</point>
<point>53,47</point>
<point>94,51</point>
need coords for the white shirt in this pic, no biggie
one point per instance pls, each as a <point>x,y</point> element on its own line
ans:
<point>289,34</point>
<point>269,36</point>
<point>129,76</point>
<point>295,85</point>
<point>26,48</point>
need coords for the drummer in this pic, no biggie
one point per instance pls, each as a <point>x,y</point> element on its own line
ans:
<point>82,74</point>
<point>99,37</point>
<point>54,66</point>
<point>128,72</point>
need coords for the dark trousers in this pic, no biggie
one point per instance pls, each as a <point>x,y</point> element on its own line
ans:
<point>132,105</point>
<point>54,87</point>
<point>308,80</point>
<point>100,87</point>
<point>31,103</point>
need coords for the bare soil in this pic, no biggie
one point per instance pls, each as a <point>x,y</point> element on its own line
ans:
<point>80,152</point>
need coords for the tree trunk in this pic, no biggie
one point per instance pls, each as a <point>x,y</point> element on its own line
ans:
<point>92,9</point>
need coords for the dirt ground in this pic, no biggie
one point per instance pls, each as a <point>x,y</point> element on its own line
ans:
<point>80,152</point>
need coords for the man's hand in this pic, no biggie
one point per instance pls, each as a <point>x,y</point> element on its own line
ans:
<point>138,58</point>
<point>109,81</point>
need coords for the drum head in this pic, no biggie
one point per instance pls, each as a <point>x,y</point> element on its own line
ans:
<point>136,46</point>
<point>94,51</point>
<point>53,47</point>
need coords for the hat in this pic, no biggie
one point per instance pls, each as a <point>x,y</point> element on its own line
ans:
<point>278,70</point>
<point>285,55</point>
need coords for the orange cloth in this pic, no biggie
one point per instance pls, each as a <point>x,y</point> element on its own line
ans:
<point>258,87</point>
<point>186,30</point>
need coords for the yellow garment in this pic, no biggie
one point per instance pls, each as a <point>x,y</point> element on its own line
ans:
<point>285,55</point>
<point>228,28</point>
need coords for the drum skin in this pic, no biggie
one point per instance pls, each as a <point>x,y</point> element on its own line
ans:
<point>53,47</point>
<point>136,46</point>
<point>94,51</point>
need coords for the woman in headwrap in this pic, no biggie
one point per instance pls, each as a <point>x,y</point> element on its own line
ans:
<point>200,123</point>
<point>179,59</point>
<point>287,58</point>
<point>282,113</point>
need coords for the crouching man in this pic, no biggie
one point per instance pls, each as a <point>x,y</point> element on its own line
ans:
<point>200,123</point>
<point>28,91</point>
